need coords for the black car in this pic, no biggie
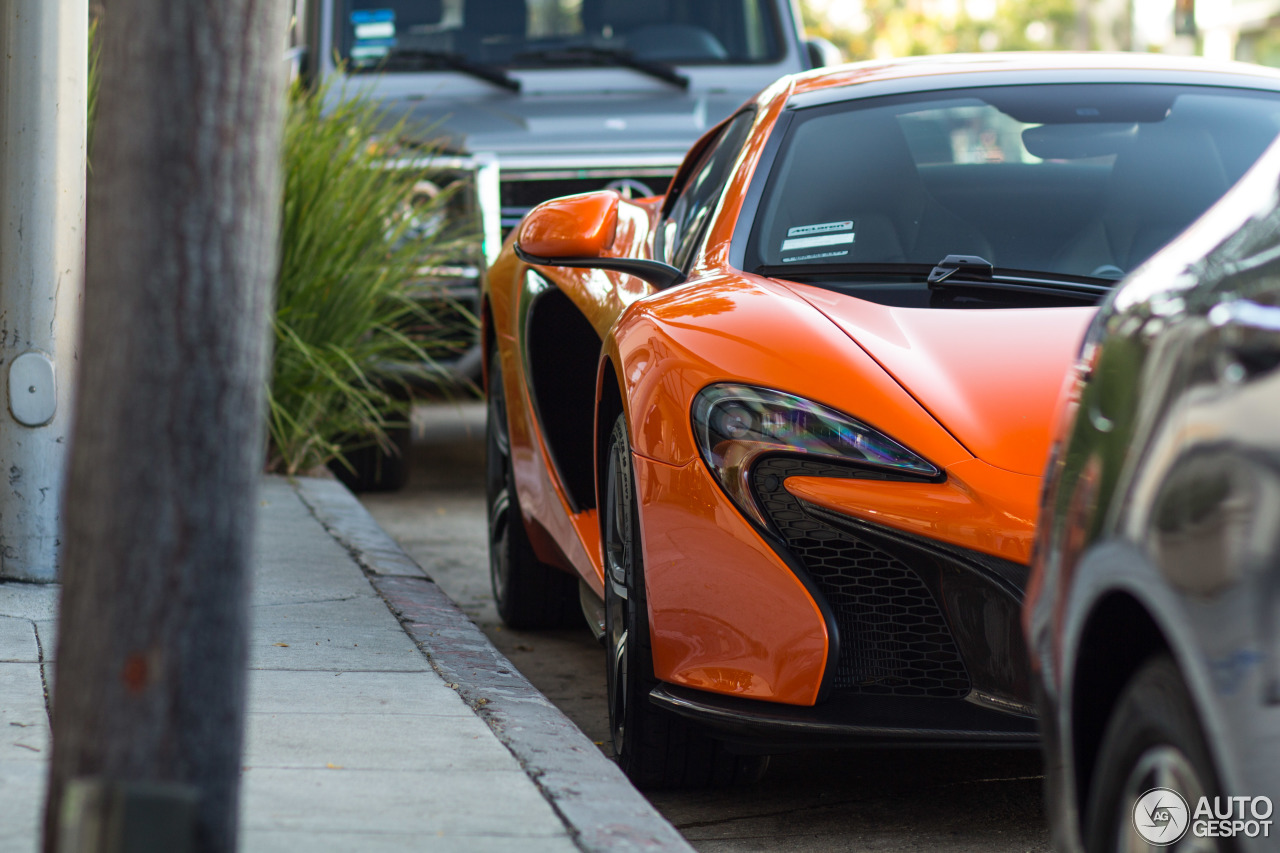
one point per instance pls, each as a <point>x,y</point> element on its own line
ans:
<point>1154,598</point>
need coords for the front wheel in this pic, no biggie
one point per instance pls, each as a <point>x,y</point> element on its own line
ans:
<point>655,748</point>
<point>1152,743</point>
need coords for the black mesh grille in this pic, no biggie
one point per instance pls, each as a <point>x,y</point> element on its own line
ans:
<point>893,638</point>
<point>520,195</point>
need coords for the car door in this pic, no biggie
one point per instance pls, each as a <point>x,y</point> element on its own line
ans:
<point>1215,529</point>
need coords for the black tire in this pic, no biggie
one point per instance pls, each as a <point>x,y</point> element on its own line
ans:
<point>375,469</point>
<point>655,748</point>
<point>528,593</point>
<point>1152,740</point>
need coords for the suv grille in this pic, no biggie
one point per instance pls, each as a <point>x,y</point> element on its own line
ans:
<point>522,191</point>
<point>893,638</point>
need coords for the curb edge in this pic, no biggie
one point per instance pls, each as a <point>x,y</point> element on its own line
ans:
<point>594,799</point>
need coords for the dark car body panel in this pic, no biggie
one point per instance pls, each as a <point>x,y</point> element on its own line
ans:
<point>1161,521</point>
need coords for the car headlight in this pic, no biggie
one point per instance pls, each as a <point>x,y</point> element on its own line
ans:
<point>736,424</point>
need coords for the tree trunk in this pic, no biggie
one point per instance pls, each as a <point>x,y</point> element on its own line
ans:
<point>168,434</point>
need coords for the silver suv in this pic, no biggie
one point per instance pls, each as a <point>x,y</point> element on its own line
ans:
<point>541,98</point>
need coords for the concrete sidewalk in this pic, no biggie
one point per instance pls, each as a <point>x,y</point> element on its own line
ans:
<point>379,717</point>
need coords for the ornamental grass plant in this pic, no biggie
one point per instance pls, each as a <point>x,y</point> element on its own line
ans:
<point>353,257</point>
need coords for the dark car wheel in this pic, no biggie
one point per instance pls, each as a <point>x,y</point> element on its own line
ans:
<point>1153,740</point>
<point>528,592</point>
<point>656,749</point>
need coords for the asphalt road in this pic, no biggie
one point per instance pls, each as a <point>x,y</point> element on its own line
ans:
<point>959,801</point>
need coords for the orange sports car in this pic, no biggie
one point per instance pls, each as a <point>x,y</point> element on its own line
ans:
<point>780,433</point>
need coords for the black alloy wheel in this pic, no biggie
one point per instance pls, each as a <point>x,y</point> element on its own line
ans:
<point>1153,740</point>
<point>528,593</point>
<point>655,748</point>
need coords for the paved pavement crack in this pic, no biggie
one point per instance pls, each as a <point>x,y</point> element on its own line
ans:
<point>44,678</point>
<point>355,597</point>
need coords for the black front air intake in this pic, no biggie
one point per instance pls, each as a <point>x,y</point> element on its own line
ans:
<point>893,638</point>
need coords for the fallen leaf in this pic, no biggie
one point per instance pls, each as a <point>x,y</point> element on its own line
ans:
<point>334,766</point>
<point>282,645</point>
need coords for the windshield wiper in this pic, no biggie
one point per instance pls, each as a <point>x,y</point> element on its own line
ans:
<point>412,59</point>
<point>610,56</point>
<point>954,271</point>
<point>972,271</point>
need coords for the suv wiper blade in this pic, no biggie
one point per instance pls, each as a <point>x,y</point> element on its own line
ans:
<point>610,56</point>
<point>410,59</point>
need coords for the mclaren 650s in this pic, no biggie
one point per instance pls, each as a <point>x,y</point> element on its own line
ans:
<point>779,434</point>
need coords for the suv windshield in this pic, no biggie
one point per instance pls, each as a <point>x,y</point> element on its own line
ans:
<point>1074,182</point>
<point>556,33</point>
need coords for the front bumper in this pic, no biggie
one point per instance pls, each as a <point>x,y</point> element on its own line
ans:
<point>848,719</point>
<point>822,616</point>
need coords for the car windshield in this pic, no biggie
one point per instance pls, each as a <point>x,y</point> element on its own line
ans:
<point>1077,182</point>
<point>555,33</point>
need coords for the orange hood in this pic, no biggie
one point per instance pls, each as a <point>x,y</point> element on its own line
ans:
<point>990,377</point>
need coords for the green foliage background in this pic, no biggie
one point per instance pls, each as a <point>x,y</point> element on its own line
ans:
<point>346,312</point>
<point>349,307</point>
<point>905,28</point>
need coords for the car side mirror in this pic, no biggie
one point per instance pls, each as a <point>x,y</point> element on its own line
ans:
<point>576,226</point>
<point>576,231</point>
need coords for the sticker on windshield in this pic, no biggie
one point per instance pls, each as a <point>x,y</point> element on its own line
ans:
<point>816,236</point>
<point>374,27</point>
<point>820,228</point>
<point>818,256</point>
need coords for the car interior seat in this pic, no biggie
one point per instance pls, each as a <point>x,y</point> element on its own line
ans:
<point>670,42</point>
<point>1159,185</point>
<point>650,30</point>
<point>610,18</point>
<point>493,30</point>
<point>863,172</point>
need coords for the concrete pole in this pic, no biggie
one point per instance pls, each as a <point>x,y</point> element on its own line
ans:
<point>43,83</point>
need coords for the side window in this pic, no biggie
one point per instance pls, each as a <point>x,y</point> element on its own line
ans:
<point>687,217</point>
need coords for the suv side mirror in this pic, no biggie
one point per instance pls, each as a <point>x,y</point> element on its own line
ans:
<point>576,231</point>
<point>822,53</point>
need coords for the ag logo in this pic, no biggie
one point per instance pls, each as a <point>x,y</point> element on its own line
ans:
<point>1160,816</point>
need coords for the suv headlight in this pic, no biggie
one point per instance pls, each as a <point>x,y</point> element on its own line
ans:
<point>736,424</point>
